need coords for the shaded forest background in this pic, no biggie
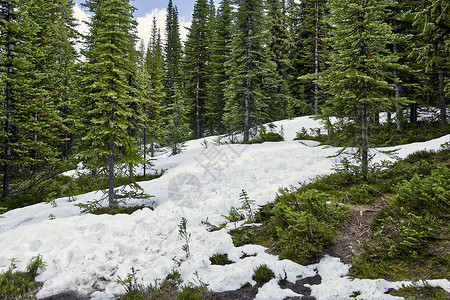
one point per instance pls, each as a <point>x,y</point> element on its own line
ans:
<point>248,63</point>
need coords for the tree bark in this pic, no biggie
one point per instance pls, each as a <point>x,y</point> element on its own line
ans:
<point>398,86</point>
<point>248,95</point>
<point>365,141</point>
<point>316,60</point>
<point>442,97</point>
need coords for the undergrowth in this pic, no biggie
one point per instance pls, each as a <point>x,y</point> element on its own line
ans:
<point>300,225</point>
<point>14,284</point>
<point>67,186</point>
<point>171,287</point>
<point>411,235</point>
<point>347,135</point>
<point>425,292</point>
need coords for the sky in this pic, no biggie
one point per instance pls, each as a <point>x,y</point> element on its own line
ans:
<point>146,9</point>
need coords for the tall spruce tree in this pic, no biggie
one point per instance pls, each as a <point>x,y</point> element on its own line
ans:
<point>220,53</point>
<point>31,118</point>
<point>173,55</point>
<point>112,48</point>
<point>310,52</point>
<point>279,47</point>
<point>361,65</point>
<point>434,19</point>
<point>196,62</point>
<point>250,70</point>
<point>152,77</point>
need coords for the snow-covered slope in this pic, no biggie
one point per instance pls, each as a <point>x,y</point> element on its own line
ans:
<point>87,253</point>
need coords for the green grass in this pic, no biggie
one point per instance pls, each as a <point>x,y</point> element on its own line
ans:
<point>14,284</point>
<point>169,288</point>
<point>411,236</point>
<point>425,292</point>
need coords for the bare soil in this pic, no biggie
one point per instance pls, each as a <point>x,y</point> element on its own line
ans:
<point>349,238</point>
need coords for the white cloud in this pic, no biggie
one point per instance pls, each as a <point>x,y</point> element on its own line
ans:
<point>145,24</point>
<point>81,16</point>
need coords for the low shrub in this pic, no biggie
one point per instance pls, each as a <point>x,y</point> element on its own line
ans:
<point>263,274</point>
<point>220,259</point>
<point>170,288</point>
<point>14,284</point>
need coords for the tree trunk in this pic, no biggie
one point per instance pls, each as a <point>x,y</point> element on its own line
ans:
<point>111,172</point>
<point>413,113</point>
<point>198,116</point>
<point>248,83</point>
<point>316,60</point>
<point>8,127</point>
<point>145,151</point>
<point>442,97</point>
<point>365,141</point>
<point>398,85</point>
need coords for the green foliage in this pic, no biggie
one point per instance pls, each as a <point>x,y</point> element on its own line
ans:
<point>234,216</point>
<point>170,288</point>
<point>304,224</point>
<point>425,292</point>
<point>412,230</point>
<point>182,231</point>
<point>15,284</point>
<point>263,274</point>
<point>246,205</point>
<point>220,259</point>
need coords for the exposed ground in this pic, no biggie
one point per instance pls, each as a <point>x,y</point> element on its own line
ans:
<point>356,230</point>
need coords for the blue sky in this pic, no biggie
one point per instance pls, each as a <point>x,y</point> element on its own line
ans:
<point>185,7</point>
<point>146,10</point>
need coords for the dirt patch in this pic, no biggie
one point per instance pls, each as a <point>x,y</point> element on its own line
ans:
<point>299,286</point>
<point>242,294</point>
<point>67,296</point>
<point>350,236</point>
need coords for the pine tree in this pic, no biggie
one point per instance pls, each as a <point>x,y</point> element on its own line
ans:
<point>195,63</point>
<point>310,51</point>
<point>361,65</point>
<point>250,70</point>
<point>152,77</point>
<point>282,104</point>
<point>112,49</point>
<point>220,53</point>
<point>32,120</point>
<point>434,18</point>
<point>173,55</point>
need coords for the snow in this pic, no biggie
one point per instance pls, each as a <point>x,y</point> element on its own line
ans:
<point>87,253</point>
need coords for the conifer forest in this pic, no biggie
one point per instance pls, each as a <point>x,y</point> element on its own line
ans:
<point>271,149</point>
<point>248,62</point>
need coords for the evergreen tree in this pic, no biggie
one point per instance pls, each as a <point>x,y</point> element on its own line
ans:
<point>283,103</point>
<point>173,54</point>
<point>31,117</point>
<point>220,53</point>
<point>113,38</point>
<point>434,18</point>
<point>250,70</point>
<point>196,66</point>
<point>361,65</point>
<point>152,76</point>
<point>309,53</point>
